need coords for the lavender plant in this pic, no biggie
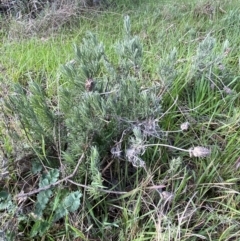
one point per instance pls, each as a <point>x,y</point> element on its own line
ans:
<point>209,64</point>
<point>117,99</point>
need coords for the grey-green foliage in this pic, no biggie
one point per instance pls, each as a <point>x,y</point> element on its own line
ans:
<point>206,56</point>
<point>209,62</point>
<point>119,97</point>
<point>230,20</point>
<point>118,103</point>
<point>44,196</point>
<point>69,204</point>
<point>8,209</point>
<point>39,228</point>
<point>96,176</point>
<point>129,50</point>
<point>6,201</point>
<point>167,67</point>
<point>31,106</point>
<point>59,205</point>
<point>89,54</point>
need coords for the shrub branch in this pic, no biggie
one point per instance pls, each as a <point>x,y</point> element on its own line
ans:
<point>21,195</point>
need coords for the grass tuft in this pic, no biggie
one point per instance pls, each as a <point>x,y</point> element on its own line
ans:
<point>171,177</point>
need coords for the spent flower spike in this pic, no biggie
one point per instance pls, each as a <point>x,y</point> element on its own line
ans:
<point>199,151</point>
<point>184,126</point>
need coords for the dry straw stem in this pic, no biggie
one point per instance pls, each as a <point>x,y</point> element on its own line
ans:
<point>237,164</point>
<point>68,179</point>
<point>21,195</point>
<point>167,196</point>
<point>197,151</point>
<point>50,20</point>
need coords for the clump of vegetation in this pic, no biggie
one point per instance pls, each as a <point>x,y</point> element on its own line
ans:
<point>132,140</point>
<point>27,18</point>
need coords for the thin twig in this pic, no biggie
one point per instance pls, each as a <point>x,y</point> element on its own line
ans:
<point>21,195</point>
<point>165,145</point>
<point>99,189</point>
<point>174,103</point>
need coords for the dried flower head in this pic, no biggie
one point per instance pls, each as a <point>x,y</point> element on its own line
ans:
<point>167,196</point>
<point>199,151</point>
<point>184,126</point>
<point>227,90</point>
<point>89,84</point>
<point>116,150</point>
<point>150,127</point>
<point>132,156</point>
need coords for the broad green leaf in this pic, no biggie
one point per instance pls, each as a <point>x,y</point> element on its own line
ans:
<point>70,204</point>
<point>36,167</point>
<point>78,233</point>
<point>40,227</point>
<point>72,201</point>
<point>49,178</point>
<point>3,195</point>
<point>42,200</point>
<point>6,203</point>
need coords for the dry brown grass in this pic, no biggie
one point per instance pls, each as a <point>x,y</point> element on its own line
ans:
<point>49,20</point>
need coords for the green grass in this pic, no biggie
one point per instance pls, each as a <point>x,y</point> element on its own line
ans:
<point>205,191</point>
